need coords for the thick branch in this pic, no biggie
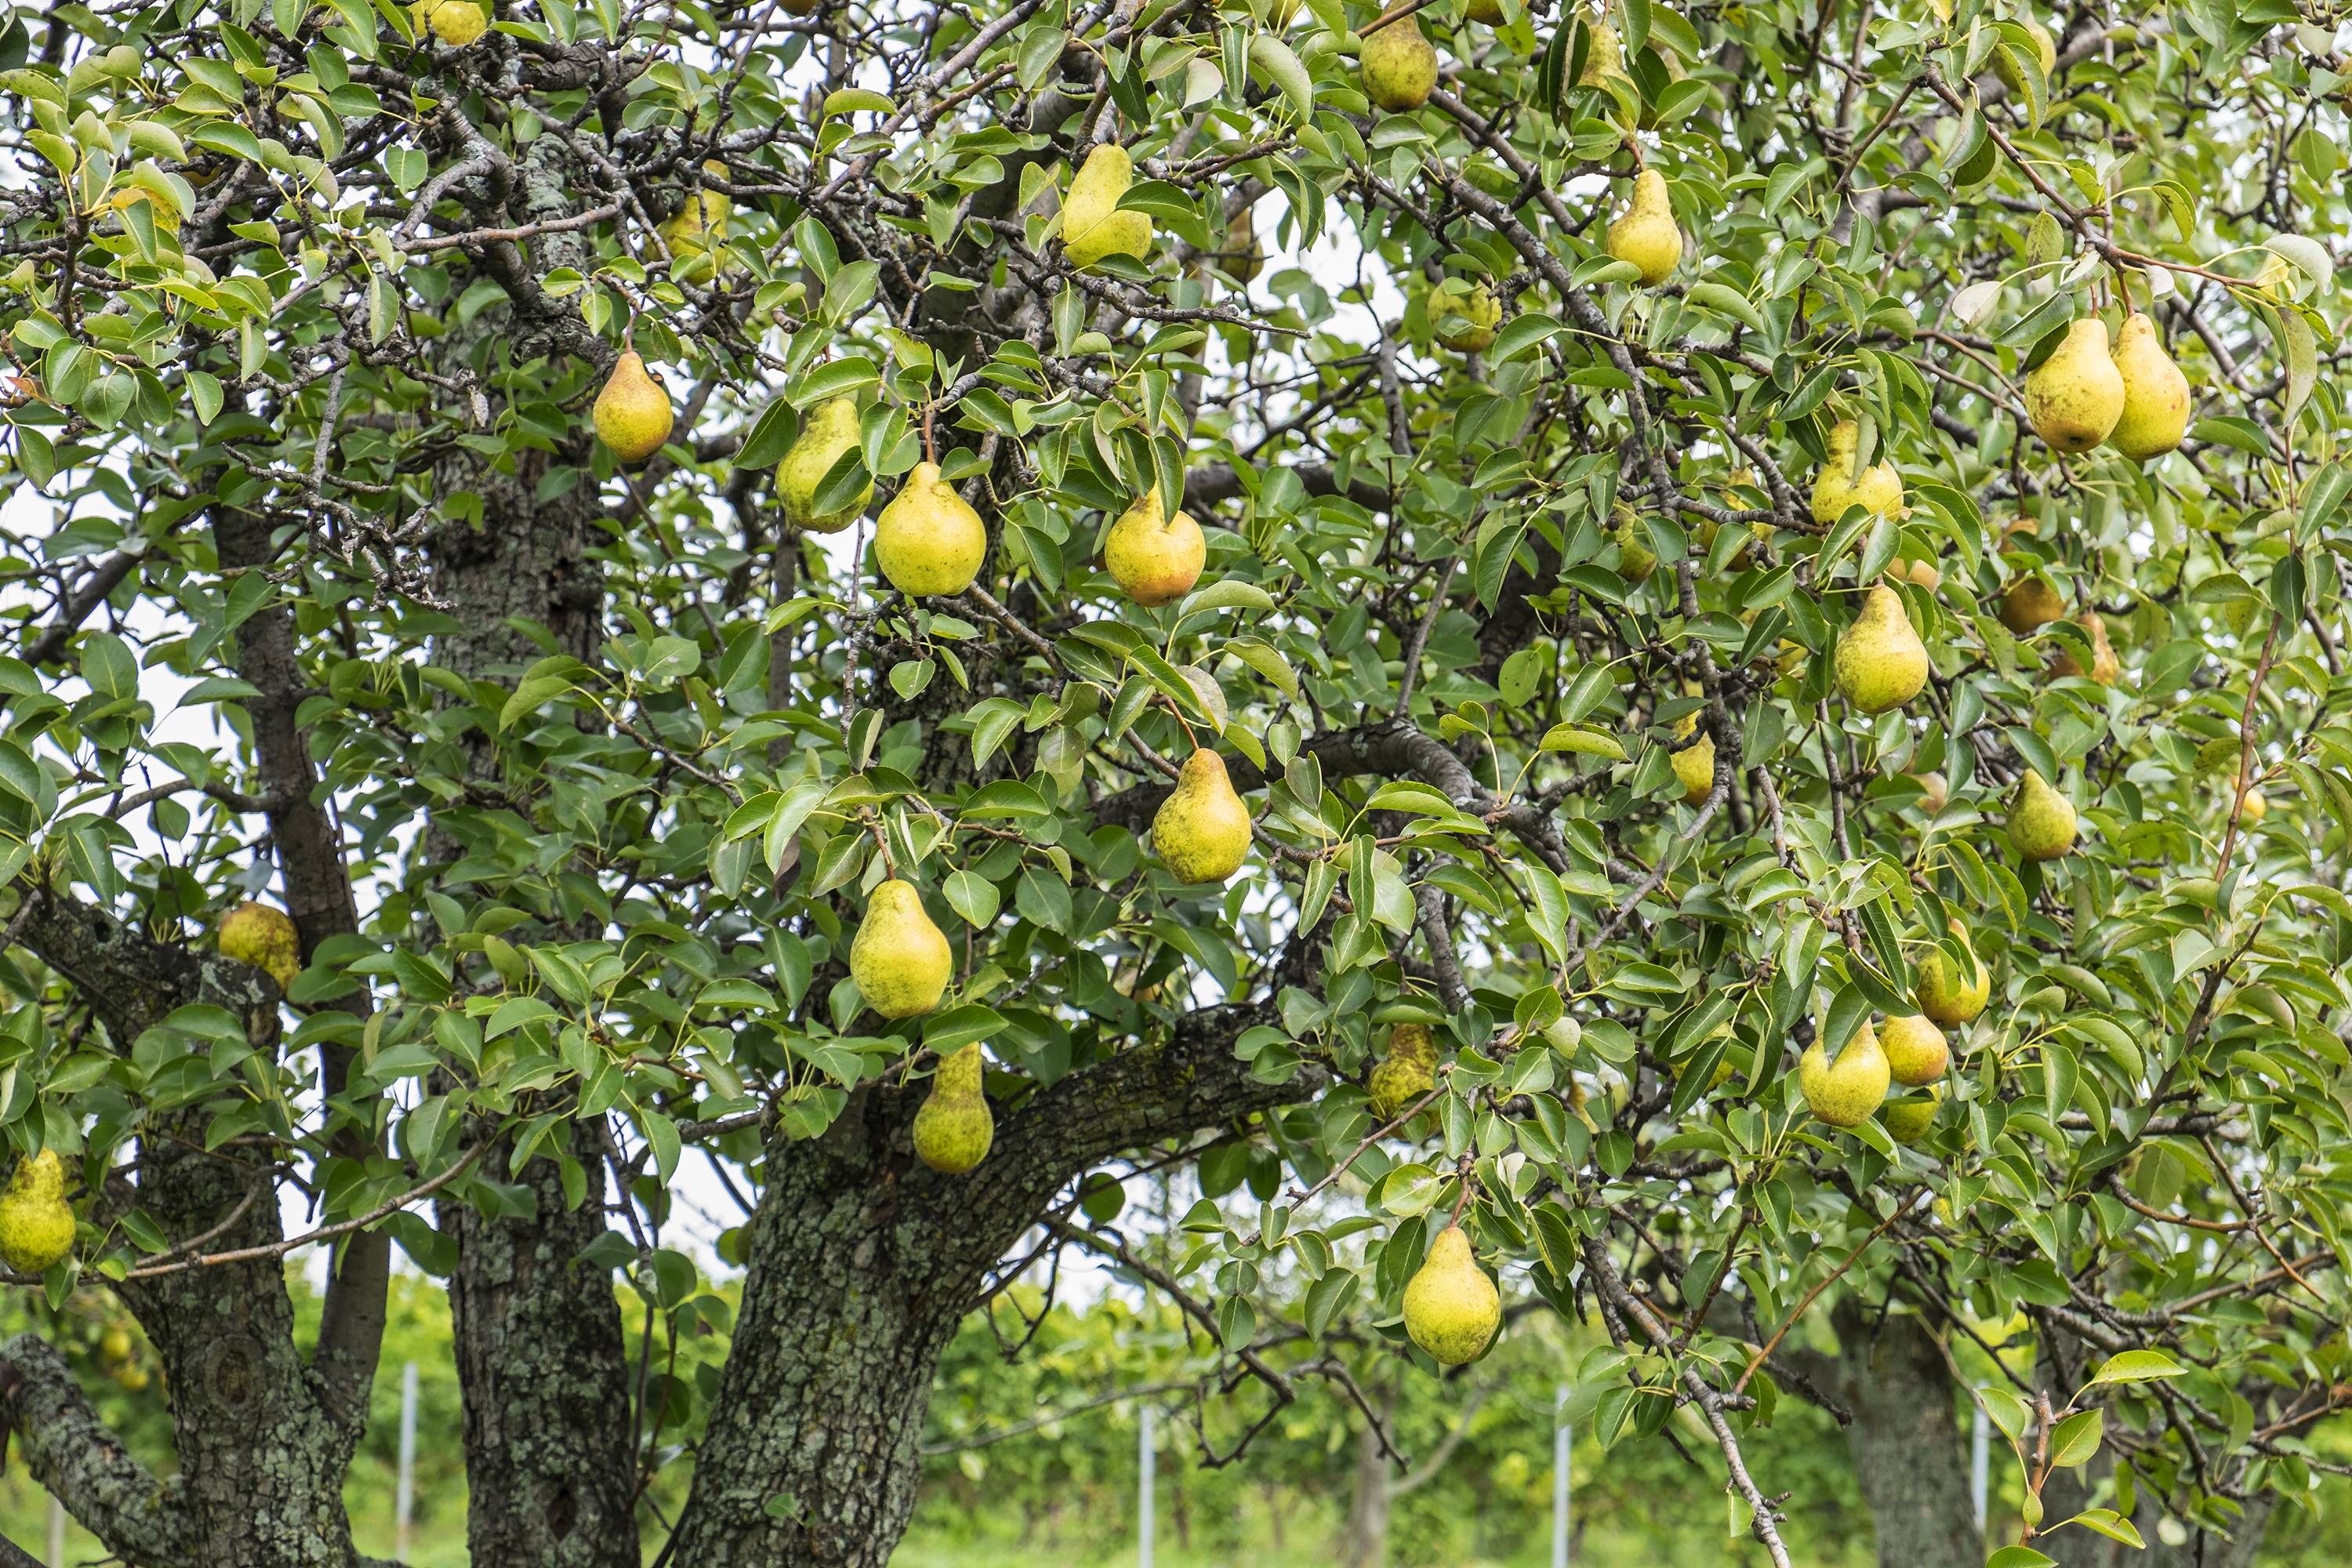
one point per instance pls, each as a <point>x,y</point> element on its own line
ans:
<point>71,1451</point>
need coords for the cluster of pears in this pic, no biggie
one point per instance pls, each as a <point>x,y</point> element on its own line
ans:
<point>632,413</point>
<point>900,961</point>
<point>2135,399</point>
<point>1647,235</point>
<point>1910,1051</point>
<point>1409,1071</point>
<point>263,937</point>
<point>37,1224</point>
<point>831,430</point>
<point>1154,558</point>
<point>1203,829</point>
<point>1093,227</point>
<point>929,540</point>
<point>1451,1309</point>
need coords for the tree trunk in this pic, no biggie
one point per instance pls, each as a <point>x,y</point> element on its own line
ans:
<point>1368,1514</point>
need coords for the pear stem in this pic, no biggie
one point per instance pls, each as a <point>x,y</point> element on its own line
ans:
<point>1468,1178</point>
<point>930,453</point>
<point>1388,17</point>
<point>1190,738</point>
<point>881,842</point>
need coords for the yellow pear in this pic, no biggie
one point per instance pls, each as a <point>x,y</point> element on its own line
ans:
<point>1156,561</point>
<point>1405,1074</point>
<point>1604,57</point>
<point>263,937</point>
<point>1880,662</point>
<point>899,958</point>
<point>2075,397</point>
<point>1451,1309</point>
<point>2105,667</point>
<point>1916,1051</point>
<point>1203,828</point>
<point>1490,12</point>
<point>1093,227</point>
<point>2155,395</point>
<point>1880,488</point>
<point>2256,807</point>
<point>2046,49</point>
<point>953,1129</point>
<point>1647,235</point>
<point>2040,820</point>
<point>632,415</point>
<point>928,540</point>
<point>1635,559</point>
<point>2029,604</point>
<point>1479,309</point>
<point>1695,763</point>
<point>1907,1120</point>
<point>1923,572</point>
<point>1845,1092</point>
<point>693,231</point>
<point>456,23</point>
<point>1950,998</point>
<point>832,429</point>
<point>37,1224</point>
<point>1399,66</point>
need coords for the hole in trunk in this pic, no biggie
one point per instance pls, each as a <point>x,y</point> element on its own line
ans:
<point>562,1513</point>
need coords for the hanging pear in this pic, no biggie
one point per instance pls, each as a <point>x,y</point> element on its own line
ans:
<point>832,429</point>
<point>1156,561</point>
<point>953,1129</point>
<point>1880,662</point>
<point>1844,1093</point>
<point>1603,58</point>
<point>1093,227</point>
<point>1916,1051</point>
<point>1635,559</point>
<point>2029,604</point>
<point>37,1224</point>
<point>2155,395</point>
<point>263,937</point>
<point>1489,12</point>
<point>929,540</point>
<point>1907,1120</point>
<point>1695,763</point>
<point>1405,1074</point>
<point>1481,313</point>
<point>2075,397</point>
<point>1647,236</point>
<point>1879,489</point>
<point>632,413</point>
<point>2040,820</point>
<point>2105,667</point>
<point>899,958</point>
<point>1451,1309</point>
<point>1946,995</point>
<point>456,23</point>
<point>692,234</point>
<point>1242,256</point>
<point>1203,828</point>
<point>1933,791</point>
<point>1399,66</point>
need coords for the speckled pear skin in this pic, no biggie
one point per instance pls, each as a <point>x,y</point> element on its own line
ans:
<point>1844,1093</point>
<point>899,958</point>
<point>953,1129</point>
<point>1406,1073</point>
<point>2075,397</point>
<point>1093,227</point>
<point>1203,828</point>
<point>1879,489</point>
<point>1399,66</point>
<point>632,416</point>
<point>263,937</point>
<point>832,429</point>
<point>2155,395</point>
<point>1916,1051</point>
<point>1695,763</point>
<point>1480,308</point>
<point>1880,662</point>
<point>1156,559</point>
<point>2042,822</point>
<point>2030,603</point>
<point>37,1224</point>
<point>929,540</point>
<point>1948,998</point>
<point>1451,1309</point>
<point>1909,1120</point>
<point>1647,235</point>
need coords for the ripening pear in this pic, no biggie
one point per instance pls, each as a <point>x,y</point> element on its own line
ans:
<point>1451,1309</point>
<point>832,429</point>
<point>1604,57</point>
<point>2040,820</point>
<point>1916,1051</point>
<point>263,937</point>
<point>899,958</point>
<point>2029,604</point>
<point>1907,1120</point>
<point>1880,662</point>
<point>2255,808</point>
<point>1203,828</point>
<point>1845,1092</point>
<point>632,413</point>
<point>456,23</point>
<point>2075,397</point>
<point>929,540</point>
<point>1880,488</point>
<point>1093,227</point>
<point>1487,11</point>
<point>1405,1074</point>
<point>1399,66</point>
<point>2155,395</point>
<point>1647,236</point>
<point>2105,667</point>
<point>2045,49</point>
<point>1951,998</point>
<point>1480,308</point>
<point>1935,791</point>
<point>1157,559</point>
<point>1695,763</point>
<point>1635,559</point>
<point>37,1224</point>
<point>953,1128</point>
<point>694,230</point>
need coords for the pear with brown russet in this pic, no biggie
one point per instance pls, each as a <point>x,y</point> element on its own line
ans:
<point>1399,66</point>
<point>1203,829</point>
<point>2105,667</point>
<point>2030,603</point>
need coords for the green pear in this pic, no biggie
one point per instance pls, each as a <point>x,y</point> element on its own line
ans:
<point>1604,57</point>
<point>1880,662</point>
<point>1451,1309</point>
<point>2040,820</point>
<point>2155,395</point>
<point>2046,49</point>
<point>929,540</point>
<point>632,415</point>
<point>2029,604</point>
<point>1155,561</point>
<point>1951,998</point>
<point>37,1224</point>
<point>2075,397</point>
<point>1909,1119</point>
<point>831,430</point>
<point>1635,559</point>
<point>1916,1051</point>
<point>1490,12</point>
<point>1844,1093</point>
<point>2105,667</point>
<point>1647,236</point>
<point>1405,1074</point>
<point>1203,828</point>
<point>263,937</point>
<point>1480,311</point>
<point>899,958</point>
<point>953,1129</point>
<point>1399,66</point>
<point>694,231</point>
<point>1695,763</point>
<point>1880,488</point>
<point>1093,227</point>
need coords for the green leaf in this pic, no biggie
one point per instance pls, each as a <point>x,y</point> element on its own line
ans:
<point>2137,1366</point>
